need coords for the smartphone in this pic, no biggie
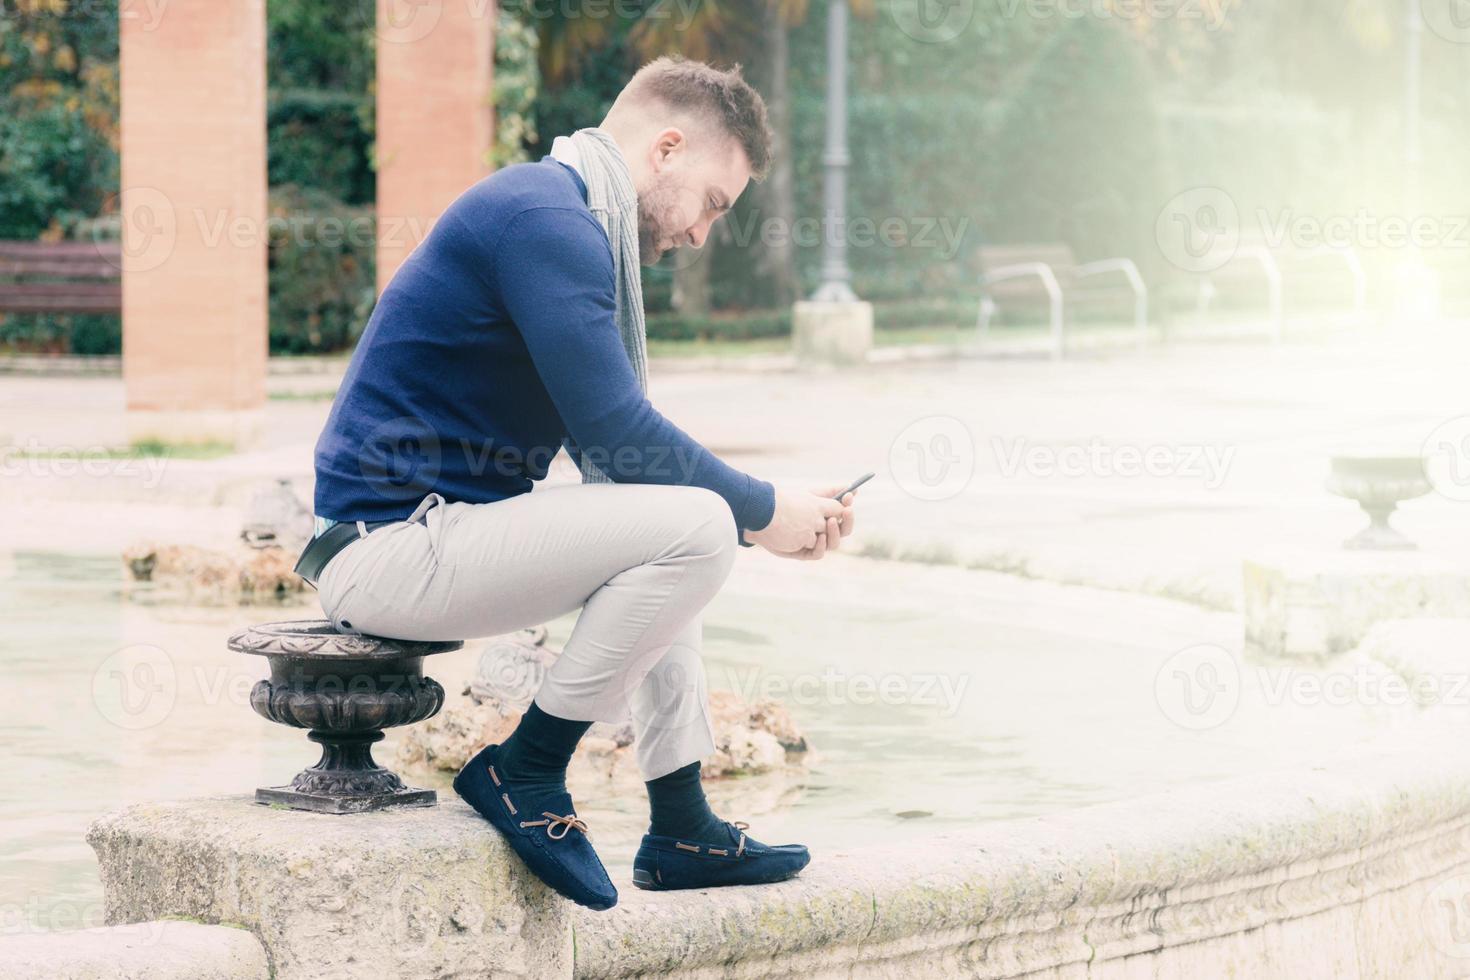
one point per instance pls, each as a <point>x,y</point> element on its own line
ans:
<point>854,485</point>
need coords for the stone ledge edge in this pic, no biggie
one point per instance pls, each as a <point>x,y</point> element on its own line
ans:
<point>1199,863</point>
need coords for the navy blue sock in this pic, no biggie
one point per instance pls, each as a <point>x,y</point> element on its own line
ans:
<point>537,752</point>
<point>677,808</point>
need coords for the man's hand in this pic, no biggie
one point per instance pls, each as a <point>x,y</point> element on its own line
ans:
<point>806,525</point>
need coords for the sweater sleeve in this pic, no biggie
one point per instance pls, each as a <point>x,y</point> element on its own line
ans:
<point>553,271</point>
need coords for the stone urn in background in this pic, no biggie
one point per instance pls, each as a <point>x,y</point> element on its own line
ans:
<point>1378,482</point>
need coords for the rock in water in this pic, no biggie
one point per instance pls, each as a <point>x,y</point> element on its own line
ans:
<point>278,517</point>
<point>239,576</point>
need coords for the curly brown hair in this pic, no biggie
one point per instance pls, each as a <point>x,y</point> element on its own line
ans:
<point>721,96</point>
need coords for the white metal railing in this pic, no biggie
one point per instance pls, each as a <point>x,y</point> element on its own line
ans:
<point>1349,257</point>
<point>1135,280</point>
<point>1275,303</point>
<point>1053,291</point>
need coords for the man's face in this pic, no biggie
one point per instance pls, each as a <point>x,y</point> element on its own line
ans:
<point>690,185</point>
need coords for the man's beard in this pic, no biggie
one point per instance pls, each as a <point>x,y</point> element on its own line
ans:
<point>657,203</point>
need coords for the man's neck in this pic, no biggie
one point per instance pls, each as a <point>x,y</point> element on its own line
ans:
<point>625,142</point>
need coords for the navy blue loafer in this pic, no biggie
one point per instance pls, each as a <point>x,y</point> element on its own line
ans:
<point>541,827</point>
<point>668,862</point>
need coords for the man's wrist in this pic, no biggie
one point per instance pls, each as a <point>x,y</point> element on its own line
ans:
<point>760,506</point>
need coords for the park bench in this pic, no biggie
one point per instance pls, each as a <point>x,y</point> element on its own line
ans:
<point>1255,275</point>
<point>1048,275</point>
<point>60,277</point>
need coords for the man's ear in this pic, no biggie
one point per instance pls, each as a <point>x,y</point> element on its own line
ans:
<point>669,147</point>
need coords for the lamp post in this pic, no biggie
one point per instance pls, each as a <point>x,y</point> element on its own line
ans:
<point>1413,75</point>
<point>834,327</point>
<point>836,284</point>
<point>1418,285</point>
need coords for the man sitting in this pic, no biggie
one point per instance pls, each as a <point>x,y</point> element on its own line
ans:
<point>516,329</point>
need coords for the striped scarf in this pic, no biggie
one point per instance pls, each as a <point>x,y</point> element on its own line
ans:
<point>613,201</point>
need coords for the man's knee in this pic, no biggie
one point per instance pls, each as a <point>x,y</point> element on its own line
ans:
<point>709,528</point>
<point>717,523</point>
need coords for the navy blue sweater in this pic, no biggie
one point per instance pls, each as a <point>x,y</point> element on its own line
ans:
<point>493,346</point>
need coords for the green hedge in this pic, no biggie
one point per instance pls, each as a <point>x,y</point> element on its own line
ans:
<point>61,333</point>
<point>746,326</point>
<point>322,270</point>
<point>758,324</point>
<point>322,139</point>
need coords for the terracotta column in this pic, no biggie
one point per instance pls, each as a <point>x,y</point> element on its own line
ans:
<point>435,115</point>
<point>193,210</point>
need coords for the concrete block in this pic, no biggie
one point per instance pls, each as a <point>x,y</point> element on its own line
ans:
<point>1311,605</point>
<point>390,893</point>
<point>157,950</point>
<point>832,333</point>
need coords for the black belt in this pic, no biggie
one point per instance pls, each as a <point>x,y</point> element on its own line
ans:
<point>324,547</point>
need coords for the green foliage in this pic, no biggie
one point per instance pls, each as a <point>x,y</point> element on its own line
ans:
<point>321,130</point>
<point>745,326</point>
<point>320,46</point>
<point>58,158</point>
<point>318,138</point>
<point>517,83</point>
<point>322,270</point>
<point>1021,129</point>
<point>58,115</point>
<point>1083,148</point>
<point>757,324</point>
<point>61,333</point>
<point>582,99</point>
<point>320,122</point>
<point>53,168</point>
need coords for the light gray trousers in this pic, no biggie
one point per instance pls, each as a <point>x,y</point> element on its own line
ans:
<point>640,560</point>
